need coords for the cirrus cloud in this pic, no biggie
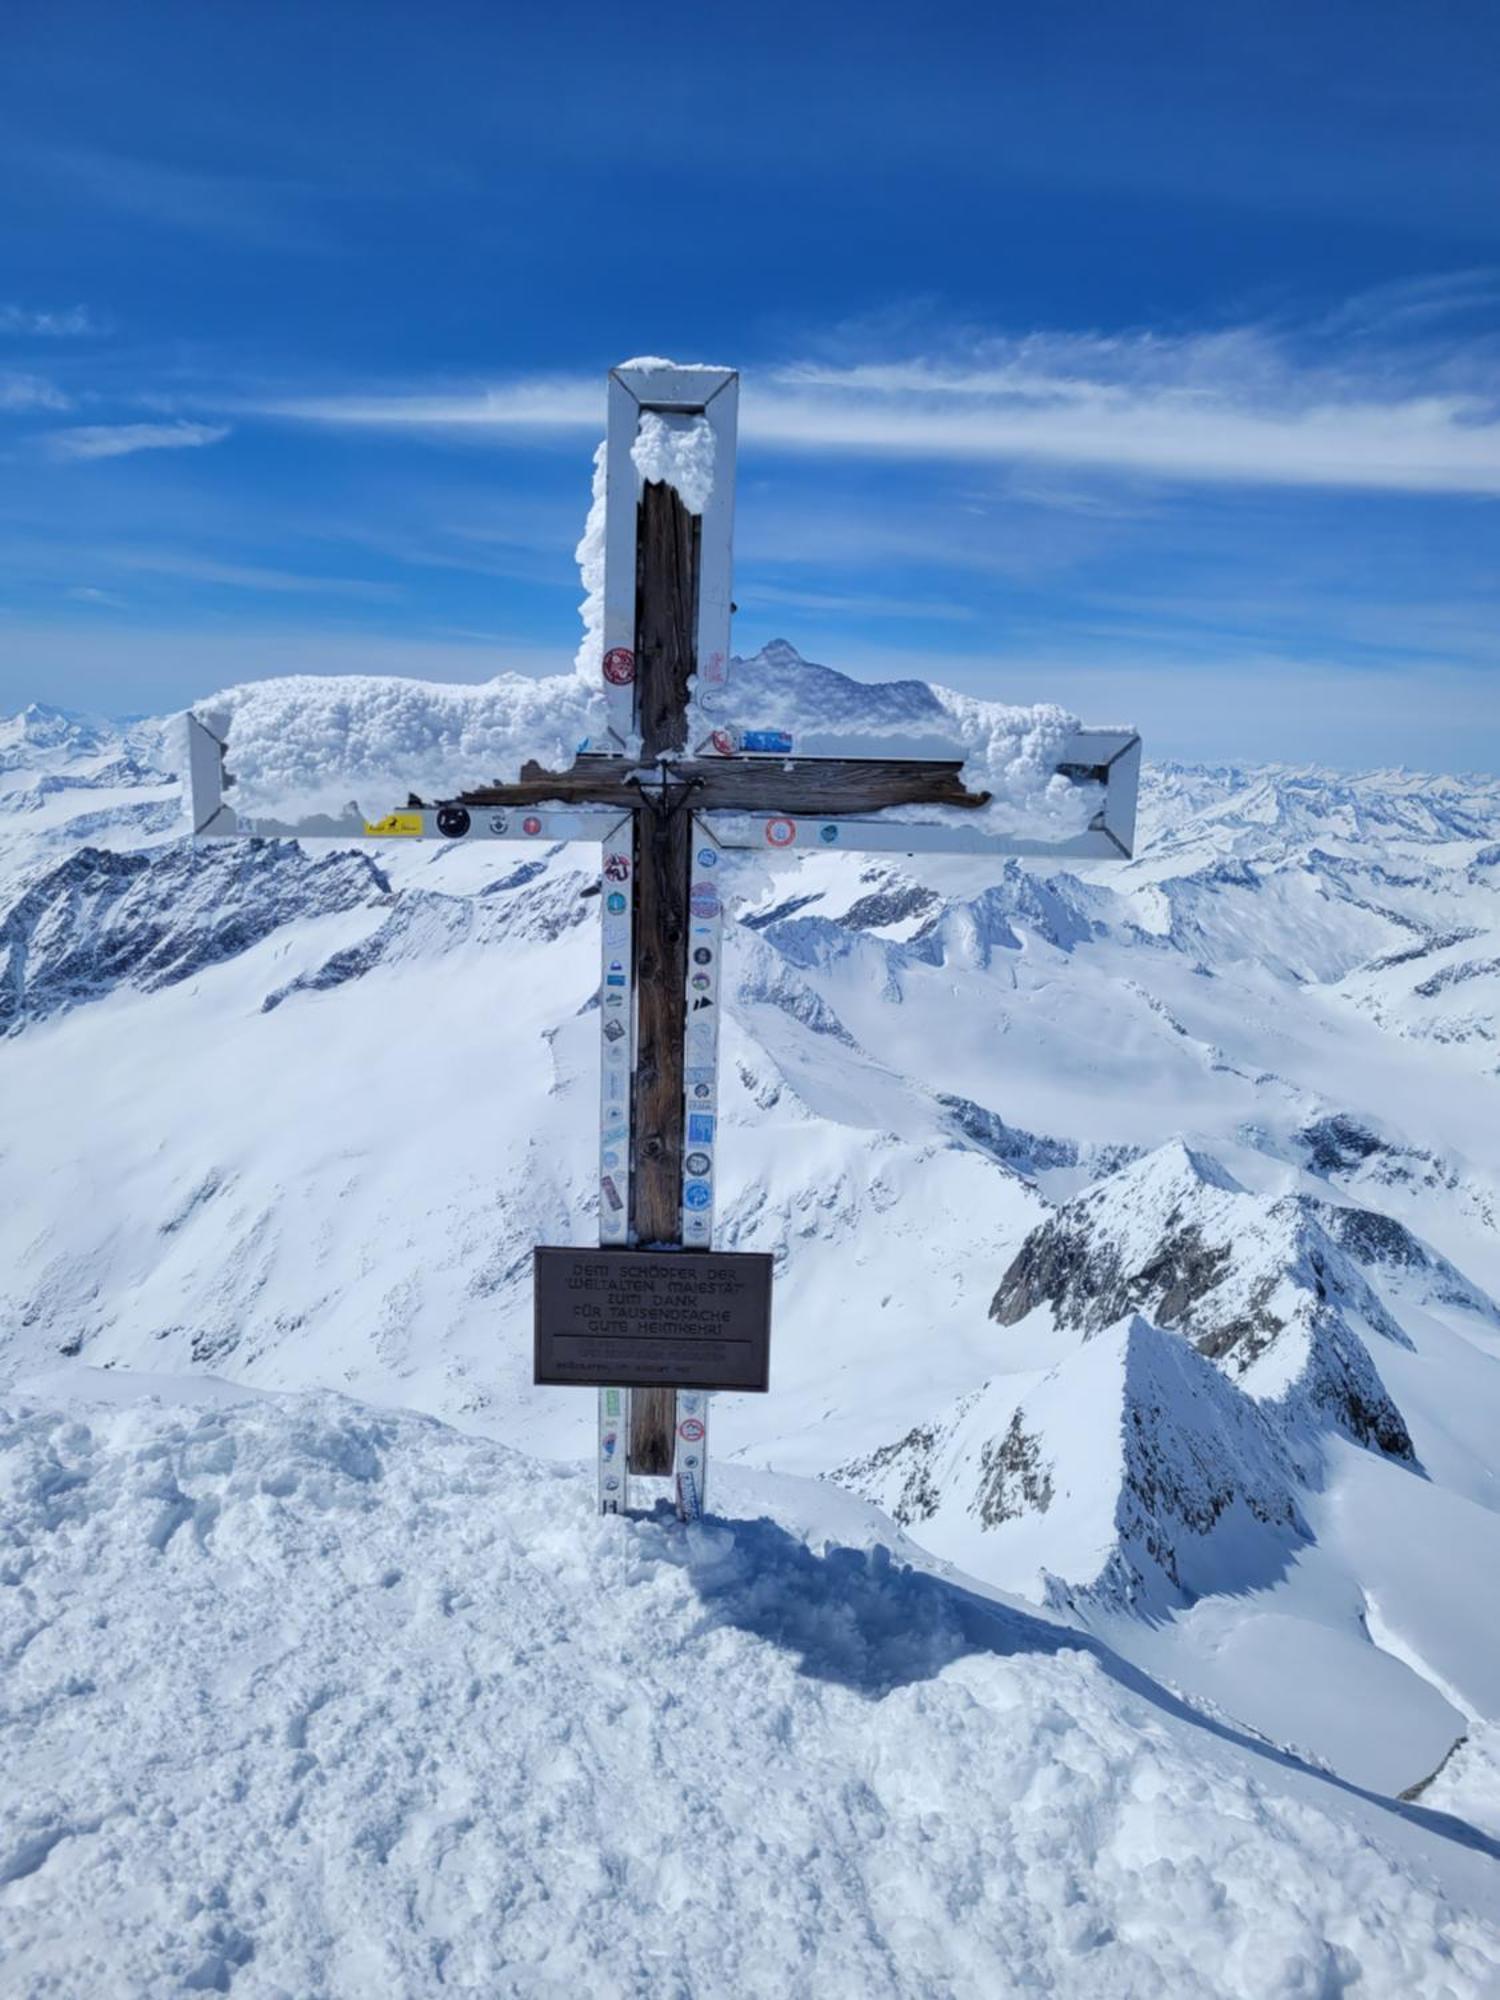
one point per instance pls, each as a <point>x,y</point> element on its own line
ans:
<point>90,441</point>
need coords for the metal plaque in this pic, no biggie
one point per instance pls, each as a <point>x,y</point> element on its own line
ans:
<point>651,1319</point>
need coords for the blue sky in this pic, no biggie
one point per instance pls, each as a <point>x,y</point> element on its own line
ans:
<point>1142,357</point>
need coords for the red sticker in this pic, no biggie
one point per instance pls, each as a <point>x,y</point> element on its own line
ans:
<point>531,824</point>
<point>723,742</point>
<point>616,868</point>
<point>619,666</point>
<point>781,832</point>
<point>690,1429</point>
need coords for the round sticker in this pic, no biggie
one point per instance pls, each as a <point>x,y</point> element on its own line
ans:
<point>828,833</point>
<point>616,868</point>
<point>697,1163</point>
<point>701,982</point>
<point>614,903</point>
<point>703,1090</point>
<point>531,824</point>
<point>723,742</point>
<point>703,956</point>
<point>697,1194</point>
<point>781,832</point>
<point>708,857</point>
<point>499,822</point>
<point>691,1429</point>
<point>619,666</point>
<point>704,900</point>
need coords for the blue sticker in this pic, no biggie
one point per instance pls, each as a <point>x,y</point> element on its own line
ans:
<point>700,1128</point>
<point>708,857</point>
<point>828,833</point>
<point>776,741</point>
<point>614,979</point>
<point>697,1194</point>
<point>614,903</point>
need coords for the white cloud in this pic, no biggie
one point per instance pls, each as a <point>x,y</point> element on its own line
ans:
<point>118,440</point>
<point>66,323</point>
<point>1239,407</point>
<point>30,392</point>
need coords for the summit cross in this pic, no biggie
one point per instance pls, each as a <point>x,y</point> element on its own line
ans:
<point>665,808</point>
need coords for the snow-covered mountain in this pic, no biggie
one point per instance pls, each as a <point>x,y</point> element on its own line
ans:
<point>1137,1227</point>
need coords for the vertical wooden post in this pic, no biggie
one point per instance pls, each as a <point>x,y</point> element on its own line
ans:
<point>666,626</point>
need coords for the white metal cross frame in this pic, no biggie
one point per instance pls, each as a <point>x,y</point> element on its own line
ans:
<point>759,795</point>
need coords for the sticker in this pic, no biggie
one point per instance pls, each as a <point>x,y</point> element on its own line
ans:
<point>499,822</point>
<point>612,1482</point>
<point>609,1159</point>
<point>700,1129</point>
<point>615,999</point>
<point>697,1163</point>
<point>611,1192</point>
<point>613,1135</point>
<point>700,1083</point>
<point>616,868</point>
<point>701,982</point>
<point>613,1030</point>
<point>828,833</point>
<point>773,742</point>
<point>781,832</point>
<point>531,824</point>
<point>612,1403</point>
<point>608,1444</point>
<point>723,740</point>
<point>704,900</point>
<point>708,857</point>
<point>453,822</point>
<point>619,666</point>
<point>703,956</point>
<point>713,670</point>
<point>701,1002</point>
<point>614,979</point>
<point>393,824</point>
<point>697,1194</point>
<point>614,902</point>
<point>691,1428</point>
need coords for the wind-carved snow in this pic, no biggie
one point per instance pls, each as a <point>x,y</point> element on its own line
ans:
<point>309,744</point>
<point>676,451</point>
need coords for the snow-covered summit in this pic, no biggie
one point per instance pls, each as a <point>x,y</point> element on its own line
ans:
<point>310,1698</point>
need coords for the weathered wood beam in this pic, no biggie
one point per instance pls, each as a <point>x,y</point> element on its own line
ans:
<point>728,784</point>
<point>666,623</point>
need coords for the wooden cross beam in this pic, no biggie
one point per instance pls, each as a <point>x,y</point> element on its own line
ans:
<point>664,816</point>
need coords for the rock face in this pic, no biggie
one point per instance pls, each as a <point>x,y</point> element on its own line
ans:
<point>1261,1287</point>
<point>101,919</point>
<point>1133,1475</point>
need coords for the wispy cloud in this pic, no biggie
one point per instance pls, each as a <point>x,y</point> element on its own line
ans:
<point>30,392</point>
<point>1239,407</point>
<point>89,441</point>
<point>245,576</point>
<point>68,323</point>
<point>554,403</point>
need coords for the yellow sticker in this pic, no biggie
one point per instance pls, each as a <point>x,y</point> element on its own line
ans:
<point>394,823</point>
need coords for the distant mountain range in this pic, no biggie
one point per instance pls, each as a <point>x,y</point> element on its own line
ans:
<point>1137,1226</point>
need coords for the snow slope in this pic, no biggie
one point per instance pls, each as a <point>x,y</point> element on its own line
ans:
<point>307,1698</point>
<point>297,1118</point>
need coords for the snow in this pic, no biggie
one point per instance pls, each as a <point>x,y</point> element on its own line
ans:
<point>589,556</point>
<point>307,1698</point>
<point>305,743</point>
<point>1009,752</point>
<point>677,451</point>
<point>248,1083</point>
